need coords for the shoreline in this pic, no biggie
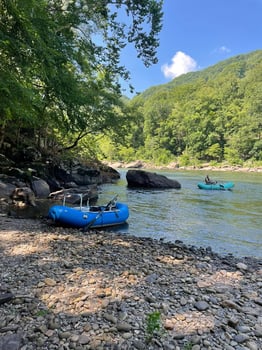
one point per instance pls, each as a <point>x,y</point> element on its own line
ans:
<point>175,166</point>
<point>96,291</point>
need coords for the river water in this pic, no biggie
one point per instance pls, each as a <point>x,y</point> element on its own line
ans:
<point>226,221</point>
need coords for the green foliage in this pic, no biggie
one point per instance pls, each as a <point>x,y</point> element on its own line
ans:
<point>153,325</point>
<point>60,67</point>
<point>213,115</point>
<point>187,159</point>
<point>42,312</point>
<point>188,346</point>
<point>184,159</point>
<point>232,156</point>
<point>126,154</point>
<point>214,152</point>
<point>60,92</point>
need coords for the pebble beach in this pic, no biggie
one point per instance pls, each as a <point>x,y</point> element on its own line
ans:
<point>64,289</point>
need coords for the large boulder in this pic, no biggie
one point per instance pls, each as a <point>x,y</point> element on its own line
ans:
<point>146,179</point>
<point>40,188</point>
<point>88,194</point>
<point>6,189</point>
<point>84,176</point>
<point>109,174</point>
<point>23,195</point>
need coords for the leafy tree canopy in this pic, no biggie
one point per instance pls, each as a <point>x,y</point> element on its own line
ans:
<point>212,115</point>
<point>60,64</point>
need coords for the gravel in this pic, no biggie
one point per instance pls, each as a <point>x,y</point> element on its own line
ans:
<point>64,289</point>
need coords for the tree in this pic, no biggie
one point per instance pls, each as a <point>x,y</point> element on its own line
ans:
<point>60,63</point>
<point>212,115</point>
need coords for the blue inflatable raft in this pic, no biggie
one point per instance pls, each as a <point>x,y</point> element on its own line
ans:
<point>216,186</point>
<point>114,213</point>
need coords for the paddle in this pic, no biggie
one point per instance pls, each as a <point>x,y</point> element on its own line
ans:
<point>91,223</point>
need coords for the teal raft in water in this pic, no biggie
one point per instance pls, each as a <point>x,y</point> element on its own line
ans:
<point>216,186</point>
<point>114,213</point>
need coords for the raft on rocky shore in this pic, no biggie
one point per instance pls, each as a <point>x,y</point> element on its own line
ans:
<point>112,214</point>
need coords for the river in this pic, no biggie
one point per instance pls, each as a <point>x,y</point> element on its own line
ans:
<point>227,221</point>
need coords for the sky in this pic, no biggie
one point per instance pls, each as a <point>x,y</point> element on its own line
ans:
<point>197,34</point>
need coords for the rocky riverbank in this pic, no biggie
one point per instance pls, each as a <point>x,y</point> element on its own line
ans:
<point>175,166</point>
<point>63,289</point>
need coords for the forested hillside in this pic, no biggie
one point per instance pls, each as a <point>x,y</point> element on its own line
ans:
<point>213,115</point>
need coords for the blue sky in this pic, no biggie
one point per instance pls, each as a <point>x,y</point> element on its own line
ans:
<point>197,34</point>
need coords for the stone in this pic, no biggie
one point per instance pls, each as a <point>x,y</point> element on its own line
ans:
<point>258,330</point>
<point>6,297</point>
<point>84,339</point>
<point>41,188</point>
<point>123,327</point>
<point>24,195</point>
<point>68,296</point>
<point>242,266</point>
<point>252,345</point>
<point>241,338</point>
<point>110,318</point>
<point>11,342</point>
<point>6,189</point>
<point>201,305</point>
<point>50,282</point>
<point>146,179</point>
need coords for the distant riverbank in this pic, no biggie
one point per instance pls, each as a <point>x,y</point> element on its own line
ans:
<point>175,166</point>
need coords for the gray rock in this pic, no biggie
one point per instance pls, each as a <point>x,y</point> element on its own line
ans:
<point>84,339</point>
<point>6,189</point>
<point>241,338</point>
<point>24,195</point>
<point>242,266</point>
<point>258,330</point>
<point>123,327</point>
<point>201,305</point>
<point>146,179</point>
<point>251,345</point>
<point>40,188</point>
<point>110,318</point>
<point>10,342</point>
<point>96,291</point>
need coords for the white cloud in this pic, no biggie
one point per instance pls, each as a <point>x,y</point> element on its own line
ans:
<point>181,64</point>
<point>222,49</point>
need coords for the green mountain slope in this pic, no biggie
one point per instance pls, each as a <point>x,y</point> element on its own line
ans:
<point>240,65</point>
<point>209,115</point>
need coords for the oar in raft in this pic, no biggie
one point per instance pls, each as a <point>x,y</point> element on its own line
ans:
<point>91,223</point>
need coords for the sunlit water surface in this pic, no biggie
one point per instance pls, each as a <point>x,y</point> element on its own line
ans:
<point>226,221</point>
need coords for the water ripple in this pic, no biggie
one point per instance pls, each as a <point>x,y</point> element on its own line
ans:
<point>227,221</point>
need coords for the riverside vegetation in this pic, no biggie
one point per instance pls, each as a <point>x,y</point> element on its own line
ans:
<point>61,94</point>
<point>102,290</point>
<point>213,115</point>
